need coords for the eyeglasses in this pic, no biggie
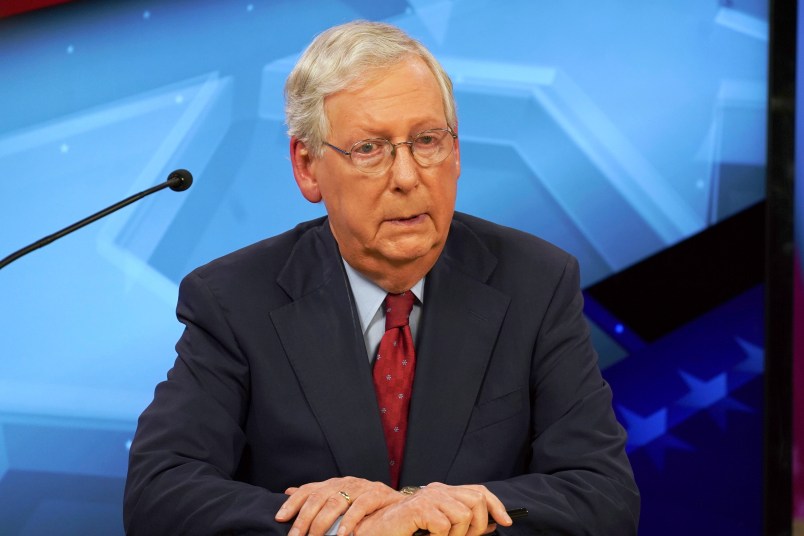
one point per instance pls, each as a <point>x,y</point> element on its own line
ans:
<point>376,155</point>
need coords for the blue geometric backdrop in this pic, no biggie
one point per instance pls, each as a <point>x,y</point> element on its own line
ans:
<point>613,129</point>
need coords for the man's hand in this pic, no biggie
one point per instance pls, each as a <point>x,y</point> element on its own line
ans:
<point>316,506</point>
<point>441,509</point>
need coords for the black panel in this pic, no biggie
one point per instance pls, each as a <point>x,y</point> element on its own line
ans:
<point>682,282</point>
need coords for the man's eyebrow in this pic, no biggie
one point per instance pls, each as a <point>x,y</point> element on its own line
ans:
<point>418,128</point>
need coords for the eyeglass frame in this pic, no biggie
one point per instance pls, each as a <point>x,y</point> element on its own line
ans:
<point>393,145</point>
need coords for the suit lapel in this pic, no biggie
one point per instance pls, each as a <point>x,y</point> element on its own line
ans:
<point>460,323</point>
<point>320,333</point>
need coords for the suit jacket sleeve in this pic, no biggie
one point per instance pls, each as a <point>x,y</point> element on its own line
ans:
<point>189,442</point>
<point>579,480</point>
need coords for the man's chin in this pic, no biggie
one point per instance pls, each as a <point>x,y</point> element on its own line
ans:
<point>402,252</point>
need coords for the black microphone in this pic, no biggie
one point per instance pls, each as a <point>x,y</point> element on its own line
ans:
<point>178,181</point>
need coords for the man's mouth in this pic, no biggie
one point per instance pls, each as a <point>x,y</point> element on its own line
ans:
<point>416,218</point>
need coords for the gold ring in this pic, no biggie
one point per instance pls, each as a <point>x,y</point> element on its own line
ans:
<point>346,496</point>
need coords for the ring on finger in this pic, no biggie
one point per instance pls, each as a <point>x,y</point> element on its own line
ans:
<point>346,496</point>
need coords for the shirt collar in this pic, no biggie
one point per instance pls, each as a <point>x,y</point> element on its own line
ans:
<point>369,296</point>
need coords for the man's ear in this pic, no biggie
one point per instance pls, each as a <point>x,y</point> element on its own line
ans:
<point>302,160</point>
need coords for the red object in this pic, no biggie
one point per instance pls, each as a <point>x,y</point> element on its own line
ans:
<point>393,377</point>
<point>798,387</point>
<point>9,8</point>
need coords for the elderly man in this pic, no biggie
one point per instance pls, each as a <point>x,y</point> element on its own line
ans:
<point>393,344</point>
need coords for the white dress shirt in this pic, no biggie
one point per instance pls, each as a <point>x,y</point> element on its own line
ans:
<point>368,298</point>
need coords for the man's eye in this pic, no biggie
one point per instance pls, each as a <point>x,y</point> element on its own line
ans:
<point>425,140</point>
<point>367,147</point>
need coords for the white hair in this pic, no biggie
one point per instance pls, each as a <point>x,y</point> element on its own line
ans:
<point>335,60</point>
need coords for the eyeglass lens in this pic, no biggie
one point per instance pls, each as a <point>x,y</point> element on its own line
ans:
<point>429,148</point>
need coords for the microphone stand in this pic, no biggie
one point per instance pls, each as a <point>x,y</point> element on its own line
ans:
<point>178,181</point>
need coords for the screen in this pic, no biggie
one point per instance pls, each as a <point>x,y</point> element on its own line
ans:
<point>615,130</point>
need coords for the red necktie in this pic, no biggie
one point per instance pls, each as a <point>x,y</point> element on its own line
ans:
<point>393,377</point>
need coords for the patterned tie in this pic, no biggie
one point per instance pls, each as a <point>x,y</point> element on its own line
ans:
<point>393,377</point>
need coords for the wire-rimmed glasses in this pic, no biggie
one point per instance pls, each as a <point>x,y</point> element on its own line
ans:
<point>376,155</point>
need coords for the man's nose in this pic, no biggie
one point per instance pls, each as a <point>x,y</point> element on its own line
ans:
<point>405,169</point>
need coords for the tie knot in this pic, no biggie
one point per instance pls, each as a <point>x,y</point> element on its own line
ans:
<point>397,309</point>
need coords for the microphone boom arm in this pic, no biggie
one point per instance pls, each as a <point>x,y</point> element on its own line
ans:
<point>178,181</point>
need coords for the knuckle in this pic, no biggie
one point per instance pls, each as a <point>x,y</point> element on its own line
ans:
<point>367,497</point>
<point>351,517</point>
<point>316,498</point>
<point>303,518</point>
<point>429,488</point>
<point>465,516</point>
<point>441,525</point>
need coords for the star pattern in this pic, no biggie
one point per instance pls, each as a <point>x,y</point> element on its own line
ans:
<point>711,396</point>
<point>653,432</point>
<point>643,430</point>
<point>703,394</point>
<point>755,360</point>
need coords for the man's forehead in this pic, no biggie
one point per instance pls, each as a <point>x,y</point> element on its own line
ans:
<point>406,92</point>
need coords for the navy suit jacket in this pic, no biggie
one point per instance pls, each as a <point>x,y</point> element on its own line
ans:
<point>272,388</point>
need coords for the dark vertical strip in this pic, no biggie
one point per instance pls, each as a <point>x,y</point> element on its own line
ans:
<point>779,266</point>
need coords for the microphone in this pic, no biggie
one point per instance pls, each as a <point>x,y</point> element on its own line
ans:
<point>178,181</point>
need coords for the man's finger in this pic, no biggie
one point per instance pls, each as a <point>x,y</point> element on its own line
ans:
<point>333,507</point>
<point>362,506</point>
<point>457,512</point>
<point>291,506</point>
<point>307,513</point>
<point>491,528</point>
<point>483,504</point>
<point>494,505</point>
<point>320,503</point>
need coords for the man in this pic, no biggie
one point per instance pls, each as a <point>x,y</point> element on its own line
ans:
<point>278,417</point>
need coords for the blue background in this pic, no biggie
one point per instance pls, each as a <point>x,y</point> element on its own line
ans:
<point>613,129</point>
